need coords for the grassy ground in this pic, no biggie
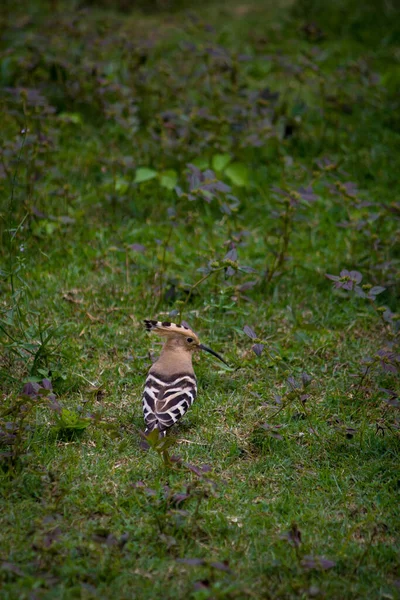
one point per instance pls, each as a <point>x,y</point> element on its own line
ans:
<point>287,484</point>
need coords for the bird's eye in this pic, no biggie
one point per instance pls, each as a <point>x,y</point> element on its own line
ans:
<point>189,340</point>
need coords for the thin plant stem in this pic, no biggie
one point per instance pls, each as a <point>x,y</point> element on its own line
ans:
<point>162,269</point>
<point>194,286</point>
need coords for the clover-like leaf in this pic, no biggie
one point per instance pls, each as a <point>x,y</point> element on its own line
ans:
<point>238,173</point>
<point>168,179</point>
<point>144,174</point>
<point>220,161</point>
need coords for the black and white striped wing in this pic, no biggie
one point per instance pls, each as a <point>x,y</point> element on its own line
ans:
<point>150,394</point>
<point>166,399</point>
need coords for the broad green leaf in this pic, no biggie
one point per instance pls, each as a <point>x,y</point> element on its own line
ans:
<point>168,179</point>
<point>238,173</point>
<point>201,162</point>
<point>220,161</point>
<point>144,174</point>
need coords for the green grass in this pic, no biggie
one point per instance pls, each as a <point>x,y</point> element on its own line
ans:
<point>88,252</point>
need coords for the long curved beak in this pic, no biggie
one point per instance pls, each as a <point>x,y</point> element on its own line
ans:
<point>202,347</point>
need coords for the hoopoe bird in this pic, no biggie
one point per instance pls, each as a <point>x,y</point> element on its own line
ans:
<point>171,385</point>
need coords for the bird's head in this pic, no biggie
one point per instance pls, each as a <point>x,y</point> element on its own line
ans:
<point>179,336</point>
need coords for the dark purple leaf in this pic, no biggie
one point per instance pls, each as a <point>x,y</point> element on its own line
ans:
<point>171,212</point>
<point>307,194</point>
<point>395,402</point>
<point>231,255</point>
<point>67,220</point>
<point>199,471</point>
<point>247,286</point>
<point>31,389</point>
<point>247,269</point>
<point>306,379</point>
<point>258,349</point>
<point>221,566</point>
<point>275,435</point>
<point>219,186</point>
<point>137,247</point>
<point>317,562</point>
<point>55,406</point>
<point>38,213</point>
<point>209,174</point>
<point>388,315</point>
<point>293,383</point>
<point>111,540</point>
<point>279,191</point>
<point>209,187</point>
<point>175,458</point>
<point>351,187</point>
<point>195,170</point>
<point>179,498</point>
<point>356,276</point>
<point>193,562</point>
<point>376,290</point>
<point>194,182</point>
<point>269,427</point>
<point>206,468</point>
<point>250,332</point>
<point>226,209</point>
<point>196,470</point>
<point>332,277</point>
<point>47,385</point>
<point>388,367</point>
